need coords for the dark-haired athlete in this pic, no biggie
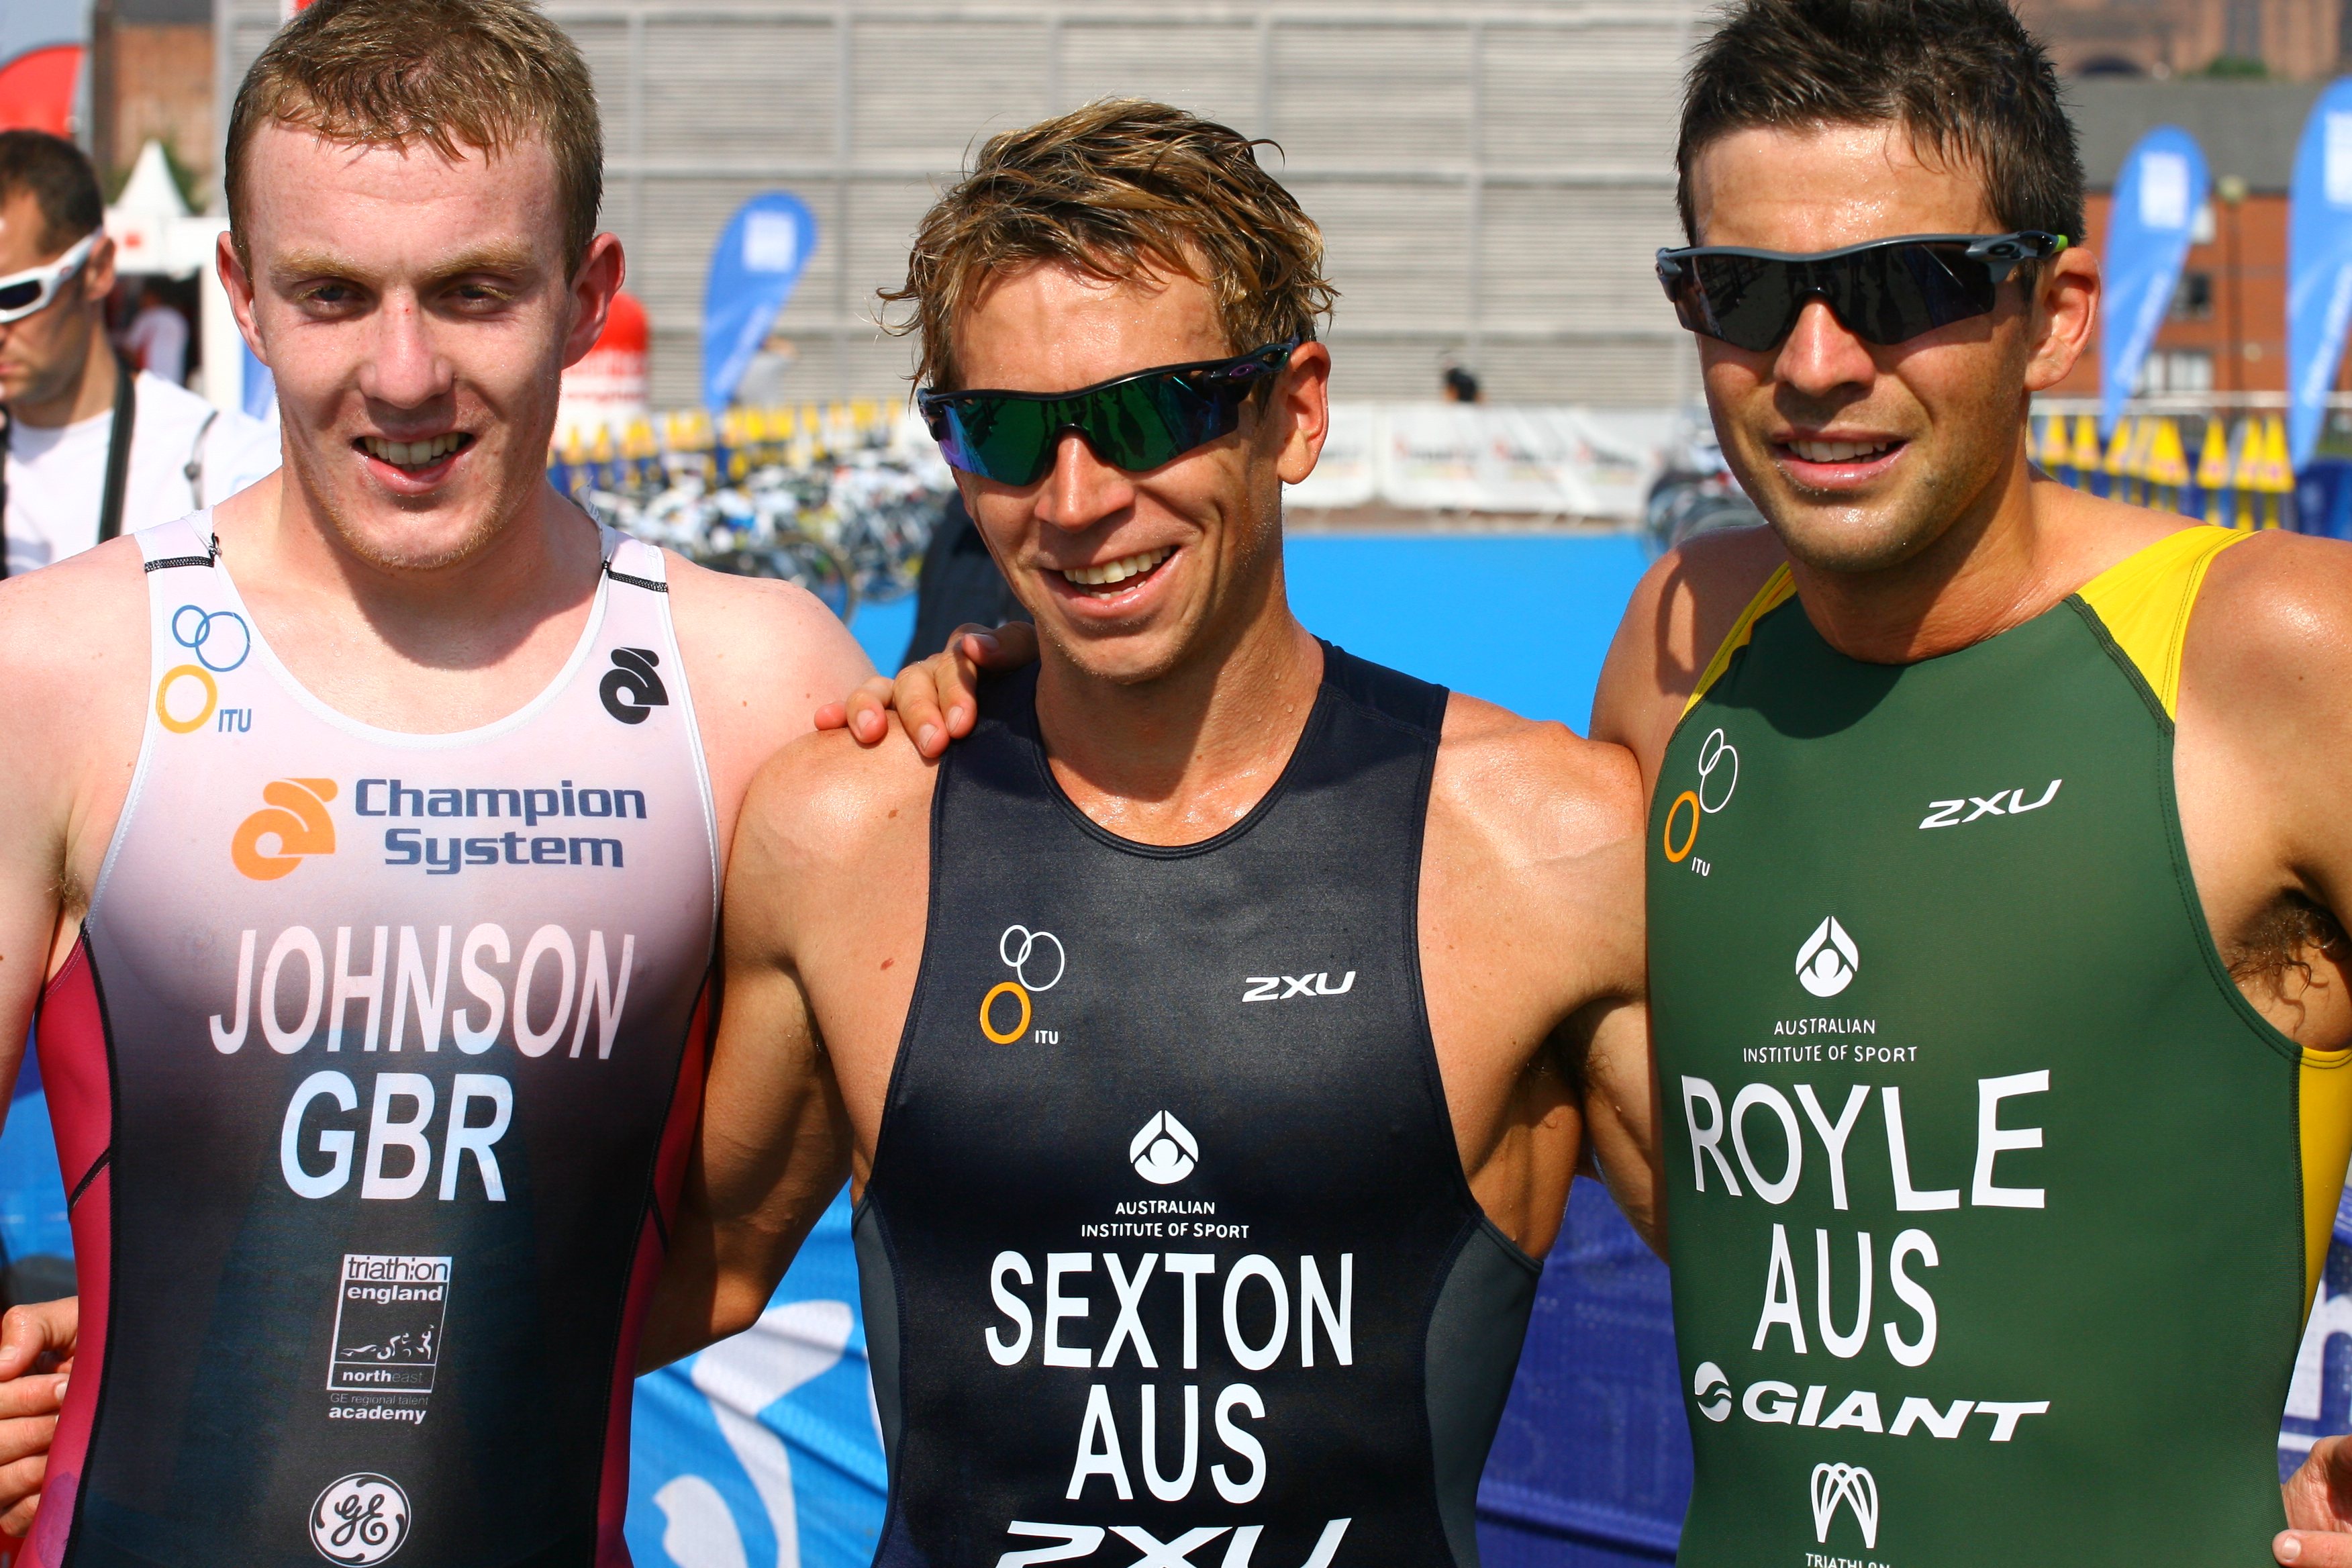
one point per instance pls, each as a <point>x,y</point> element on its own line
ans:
<point>1208,1034</point>
<point>1998,841</point>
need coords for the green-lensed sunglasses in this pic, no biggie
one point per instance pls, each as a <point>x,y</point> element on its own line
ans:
<point>1134,421</point>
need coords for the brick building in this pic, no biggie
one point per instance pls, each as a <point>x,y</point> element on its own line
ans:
<point>152,78</point>
<point>2227,330</point>
<point>2290,39</point>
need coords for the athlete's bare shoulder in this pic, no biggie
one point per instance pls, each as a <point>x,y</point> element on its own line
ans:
<point>2268,654</point>
<point>825,824</point>
<point>761,656</point>
<point>1534,785</point>
<point>1681,611</point>
<point>82,619</point>
<point>1539,830</point>
<point>73,638</point>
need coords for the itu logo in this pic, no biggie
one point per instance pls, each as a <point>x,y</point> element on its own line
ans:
<point>1827,963</point>
<point>1164,1151</point>
<point>219,638</point>
<point>1718,775</point>
<point>296,817</point>
<point>1844,1486</point>
<point>631,689</point>
<point>187,696</point>
<point>1036,959</point>
<point>361,1519</point>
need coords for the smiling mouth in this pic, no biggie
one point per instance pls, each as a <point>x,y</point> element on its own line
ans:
<point>1111,576</point>
<point>1840,452</point>
<point>415,455</point>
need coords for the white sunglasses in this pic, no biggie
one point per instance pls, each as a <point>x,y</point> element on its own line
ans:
<point>26,294</point>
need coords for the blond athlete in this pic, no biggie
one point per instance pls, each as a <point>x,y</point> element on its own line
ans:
<point>362,865</point>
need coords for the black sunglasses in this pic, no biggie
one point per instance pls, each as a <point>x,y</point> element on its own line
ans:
<point>1134,421</point>
<point>1886,291</point>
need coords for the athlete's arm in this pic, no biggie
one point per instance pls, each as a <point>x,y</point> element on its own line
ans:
<point>824,932</point>
<point>1620,1119</point>
<point>73,638</point>
<point>1530,948</point>
<point>937,697</point>
<point>2263,773</point>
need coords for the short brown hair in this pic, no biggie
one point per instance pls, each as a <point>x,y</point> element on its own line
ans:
<point>1963,77</point>
<point>449,73</point>
<point>1120,186</point>
<point>58,178</point>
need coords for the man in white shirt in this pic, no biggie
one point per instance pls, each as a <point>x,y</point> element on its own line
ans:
<point>156,341</point>
<point>60,381</point>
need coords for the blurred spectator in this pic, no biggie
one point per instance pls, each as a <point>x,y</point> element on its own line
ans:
<point>93,448</point>
<point>1460,386</point>
<point>763,382</point>
<point>156,341</point>
<point>959,583</point>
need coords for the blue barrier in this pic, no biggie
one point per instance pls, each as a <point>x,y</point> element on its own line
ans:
<point>2323,498</point>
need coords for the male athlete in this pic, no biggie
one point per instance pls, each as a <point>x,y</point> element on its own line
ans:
<point>1996,854</point>
<point>1204,1033</point>
<point>361,859</point>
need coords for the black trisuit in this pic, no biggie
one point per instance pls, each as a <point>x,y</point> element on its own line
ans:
<point>1167,1249</point>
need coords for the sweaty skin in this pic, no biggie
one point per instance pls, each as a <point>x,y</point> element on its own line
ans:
<point>1169,706</point>
<point>402,296</point>
<point>1950,538</point>
<point>1953,537</point>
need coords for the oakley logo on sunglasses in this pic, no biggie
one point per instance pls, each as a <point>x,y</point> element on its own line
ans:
<point>1134,421</point>
<point>1884,293</point>
<point>28,293</point>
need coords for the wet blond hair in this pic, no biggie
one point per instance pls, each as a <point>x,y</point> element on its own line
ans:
<point>1121,187</point>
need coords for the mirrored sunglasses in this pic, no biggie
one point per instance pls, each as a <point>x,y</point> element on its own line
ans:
<point>1134,421</point>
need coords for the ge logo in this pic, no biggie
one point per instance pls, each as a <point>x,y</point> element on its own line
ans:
<point>360,1518</point>
<point>1827,961</point>
<point>631,689</point>
<point>219,638</point>
<point>1712,1390</point>
<point>1036,957</point>
<point>1718,775</point>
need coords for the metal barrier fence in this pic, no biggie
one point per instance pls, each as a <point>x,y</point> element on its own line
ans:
<point>2204,464</point>
<point>841,498</point>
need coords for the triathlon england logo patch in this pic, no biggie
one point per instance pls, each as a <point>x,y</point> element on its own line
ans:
<point>361,1519</point>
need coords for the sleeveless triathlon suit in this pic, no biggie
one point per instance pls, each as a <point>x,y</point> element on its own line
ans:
<point>1996,1208</point>
<point>1166,1249</point>
<point>372,1075</point>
